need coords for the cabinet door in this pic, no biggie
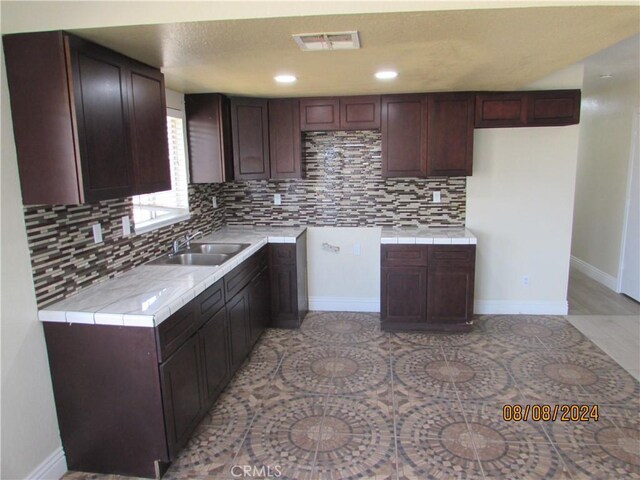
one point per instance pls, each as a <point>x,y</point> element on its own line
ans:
<point>284,139</point>
<point>360,113</point>
<point>214,338</point>
<point>404,151</point>
<point>319,114</point>
<point>102,117</point>
<point>554,108</point>
<point>41,106</point>
<point>450,134</point>
<point>250,130</point>
<point>495,110</point>
<point>284,296</point>
<point>239,328</point>
<point>259,295</point>
<point>148,121</point>
<point>181,393</point>
<point>209,137</point>
<point>451,283</point>
<point>403,294</point>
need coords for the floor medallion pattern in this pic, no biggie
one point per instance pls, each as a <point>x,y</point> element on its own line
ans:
<point>340,399</point>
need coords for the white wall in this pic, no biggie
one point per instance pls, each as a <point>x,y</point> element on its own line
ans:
<point>520,205</point>
<point>29,425</point>
<point>609,108</point>
<point>343,281</point>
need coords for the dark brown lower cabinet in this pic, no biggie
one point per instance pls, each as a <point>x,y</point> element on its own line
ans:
<point>289,293</point>
<point>182,394</point>
<point>214,340</point>
<point>427,287</point>
<point>239,328</point>
<point>259,295</point>
<point>403,298</point>
<point>129,398</point>
<point>450,284</point>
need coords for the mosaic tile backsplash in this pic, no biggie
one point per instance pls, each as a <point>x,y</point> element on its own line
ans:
<point>343,187</point>
<point>65,259</point>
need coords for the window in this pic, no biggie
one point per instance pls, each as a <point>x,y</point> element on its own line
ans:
<point>155,210</point>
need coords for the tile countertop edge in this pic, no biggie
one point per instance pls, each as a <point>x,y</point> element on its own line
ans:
<point>155,319</point>
<point>441,236</point>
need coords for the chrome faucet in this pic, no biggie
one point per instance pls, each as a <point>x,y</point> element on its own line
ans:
<point>184,241</point>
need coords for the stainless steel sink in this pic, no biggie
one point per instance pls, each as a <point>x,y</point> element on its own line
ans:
<point>211,248</point>
<point>210,260</point>
<point>205,254</point>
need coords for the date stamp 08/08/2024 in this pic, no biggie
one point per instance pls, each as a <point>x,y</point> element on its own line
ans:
<point>550,413</point>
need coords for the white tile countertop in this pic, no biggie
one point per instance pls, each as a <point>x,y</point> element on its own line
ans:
<point>147,295</point>
<point>426,236</point>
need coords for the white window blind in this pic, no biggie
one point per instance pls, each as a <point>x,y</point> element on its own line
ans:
<point>157,209</point>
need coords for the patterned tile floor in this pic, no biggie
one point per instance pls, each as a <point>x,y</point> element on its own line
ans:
<point>341,399</point>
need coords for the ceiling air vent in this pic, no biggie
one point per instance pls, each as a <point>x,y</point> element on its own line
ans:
<point>309,42</point>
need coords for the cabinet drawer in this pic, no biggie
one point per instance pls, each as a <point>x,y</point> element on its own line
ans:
<point>457,254</point>
<point>175,330</point>
<point>211,300</point>
<point>399,255</point>
<point>282,254</point>
<point>240,276</point>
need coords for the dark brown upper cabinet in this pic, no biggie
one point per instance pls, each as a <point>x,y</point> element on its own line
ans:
<point>209,137</point>
<point>501,110</point>
<point>404,139</point>
<point>527,109</point>
<point>89,123</point>
<point>360,113</point>
<point>553,108</point>
<point>284,139</point>
<point>450,134</point>
<point>319,114</point>
<point>340,113</point>
<point>250,132</point>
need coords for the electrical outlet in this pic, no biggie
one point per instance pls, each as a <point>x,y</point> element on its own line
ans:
<point>97,233</point>
<point>126,226</point>
<point>214,202</point>
<point>277,199</point>
<point>437,197</point>
<point>525,280</point>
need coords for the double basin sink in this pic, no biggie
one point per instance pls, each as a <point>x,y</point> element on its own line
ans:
<point>204,254</point>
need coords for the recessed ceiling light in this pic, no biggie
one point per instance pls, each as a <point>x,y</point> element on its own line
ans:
<point>285,78</point>
<point>386,75</point>
<point>606,75</point>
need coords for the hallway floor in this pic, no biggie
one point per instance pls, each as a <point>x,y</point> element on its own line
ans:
<point>608,319</point>
<point>341,399</point>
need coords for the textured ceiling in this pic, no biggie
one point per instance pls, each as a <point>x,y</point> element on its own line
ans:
<point>499,49</point>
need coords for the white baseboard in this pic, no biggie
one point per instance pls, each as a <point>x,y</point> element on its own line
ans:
<point>509,307</point>
<point>344,304</point>
<point>596,274</point>
<point>52,468</point>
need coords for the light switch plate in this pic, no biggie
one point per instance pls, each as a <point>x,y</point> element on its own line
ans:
<point>126,226</point>
<point>97,233</point>
<point>277,199</point>
<point>437,198</point>
<point>356,249</point>
<point>214,202</point>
